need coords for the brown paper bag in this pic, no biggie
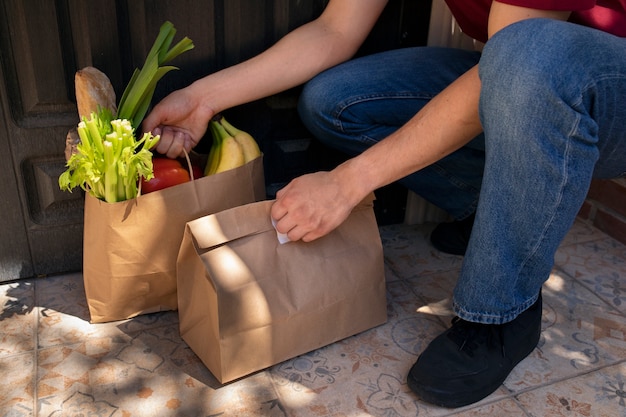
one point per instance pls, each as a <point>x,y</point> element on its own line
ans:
<point>246,302</point>
<point>130,248</point>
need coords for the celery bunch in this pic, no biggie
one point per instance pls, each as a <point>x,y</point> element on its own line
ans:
<point>109,160</point>
<point>138,93</point>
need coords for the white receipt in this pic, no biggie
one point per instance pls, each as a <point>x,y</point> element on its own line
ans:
<point>282,237</point>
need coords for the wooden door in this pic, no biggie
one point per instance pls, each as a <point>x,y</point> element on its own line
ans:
<point>43,43</point>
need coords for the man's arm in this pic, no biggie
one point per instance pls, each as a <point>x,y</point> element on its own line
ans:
<point>333,37</point>
<point>313,205</point>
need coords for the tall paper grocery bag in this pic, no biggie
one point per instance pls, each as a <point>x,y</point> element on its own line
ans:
<point>130,248</point>
<point>247,302</point>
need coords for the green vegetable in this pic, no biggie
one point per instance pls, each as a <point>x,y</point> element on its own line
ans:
<point>109,160</point>
<point>139,91</point>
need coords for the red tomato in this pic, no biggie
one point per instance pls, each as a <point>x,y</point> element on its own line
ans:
<point>167,172</point>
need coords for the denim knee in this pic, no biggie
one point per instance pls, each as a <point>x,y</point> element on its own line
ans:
<point>523,57</point>
<point>308,106</point>
<point>315,107</point>
<point>530,71</point>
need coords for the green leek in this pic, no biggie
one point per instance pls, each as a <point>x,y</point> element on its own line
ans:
<point>138,94</point>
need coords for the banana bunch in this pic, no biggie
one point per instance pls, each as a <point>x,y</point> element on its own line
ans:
<point>231,147</point>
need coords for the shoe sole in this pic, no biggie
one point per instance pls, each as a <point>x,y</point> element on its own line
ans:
<point>442,399</point>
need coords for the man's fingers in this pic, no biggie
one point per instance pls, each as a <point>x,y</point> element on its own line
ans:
<point>173,142</point>
<point>157,131</point>
<point>176,147</point>
<point>285,225</point>
<point>163,145</point>
<point>278,209</point>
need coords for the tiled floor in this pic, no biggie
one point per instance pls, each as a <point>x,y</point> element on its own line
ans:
<point>53,362</point>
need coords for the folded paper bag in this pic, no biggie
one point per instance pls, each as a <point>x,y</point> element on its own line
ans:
<point>247,302</point>
<point>130,248</point>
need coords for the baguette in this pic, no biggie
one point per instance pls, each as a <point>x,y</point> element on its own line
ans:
<point>93,89</point>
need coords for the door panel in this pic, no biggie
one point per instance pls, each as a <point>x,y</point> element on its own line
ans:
<point>35,74</point>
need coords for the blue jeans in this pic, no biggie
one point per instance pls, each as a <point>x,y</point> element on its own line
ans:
<point>553,114</point>
<point>356,104</point>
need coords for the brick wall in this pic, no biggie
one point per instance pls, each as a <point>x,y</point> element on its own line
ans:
<point>605,207</point>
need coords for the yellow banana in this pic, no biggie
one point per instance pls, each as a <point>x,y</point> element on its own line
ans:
<point>248,144</point>
<point>231,147</point>
<point>231,155</point>
<point>214,152</point>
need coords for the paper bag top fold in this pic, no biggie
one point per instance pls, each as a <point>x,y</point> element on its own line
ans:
<point>226,226</point>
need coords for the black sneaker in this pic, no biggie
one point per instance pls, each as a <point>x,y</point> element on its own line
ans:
<point>453,237</point>
<point>469,361</point>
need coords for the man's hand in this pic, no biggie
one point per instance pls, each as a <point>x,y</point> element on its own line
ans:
<point>180,120</point>
<point>311,206</point>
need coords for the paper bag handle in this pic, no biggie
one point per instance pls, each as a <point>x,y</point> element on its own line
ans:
<point>189,164</point>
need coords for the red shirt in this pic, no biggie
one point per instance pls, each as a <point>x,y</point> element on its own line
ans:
<point>606,15</point>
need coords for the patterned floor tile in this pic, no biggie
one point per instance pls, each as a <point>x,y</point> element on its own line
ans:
<point>582,232</point>
<point>390,276</point>
<point>578,336</point>
<point>64,314</point>
<point>323,384</point>
<point>403,299</point>
<point>367,370</point>
<point>17,318</point>
<point>598,394</point>
<point>601,266</point>
<point>435,293</point>
<point>408,251</point>
<point>147,374</point>
<point>364,368</point>
<point>506,407</point>
<point>18,385</point>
